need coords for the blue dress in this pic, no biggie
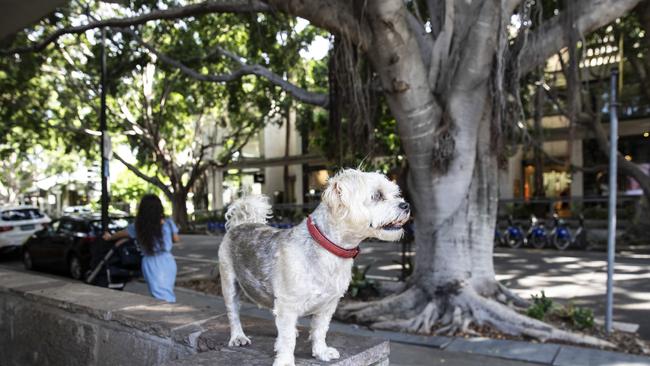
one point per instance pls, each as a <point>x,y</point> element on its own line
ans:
<point>159,269</point>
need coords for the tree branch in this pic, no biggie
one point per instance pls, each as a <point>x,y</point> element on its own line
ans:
<point>207,7</point>
<point>551,36</point>
<point>627,167</point>
<point>244,69</point>
<point>153,180</point>
<point>440,50</point>
<point>425,42</point>
<point>337,16</point>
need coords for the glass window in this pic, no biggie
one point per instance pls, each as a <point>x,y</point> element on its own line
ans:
<point>21,214</point>
<point>114,224</point>
<point>66,226</point>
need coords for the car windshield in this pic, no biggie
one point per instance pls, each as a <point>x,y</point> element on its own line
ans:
<point>114,224</point>
<point>21,214</point>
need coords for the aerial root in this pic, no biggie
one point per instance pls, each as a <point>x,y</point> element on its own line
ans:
<point>503,318</point>
<point>456,313</point>
<point>422,323</point>
<point>506,296</point>
<point>390,307</point>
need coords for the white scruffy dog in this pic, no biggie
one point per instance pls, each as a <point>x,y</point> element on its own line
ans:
<point>305,270</point>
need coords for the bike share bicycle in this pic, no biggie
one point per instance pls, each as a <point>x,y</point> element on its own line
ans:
<point>537,235</point>
<point>561,235</point>
<point>514,236</point>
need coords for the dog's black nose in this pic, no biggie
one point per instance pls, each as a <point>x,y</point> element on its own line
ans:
<point>403,205</point>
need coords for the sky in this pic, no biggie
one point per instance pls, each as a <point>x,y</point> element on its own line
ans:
<point>318,49</point>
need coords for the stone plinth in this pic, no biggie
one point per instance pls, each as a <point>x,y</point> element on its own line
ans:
<point>48,320</point>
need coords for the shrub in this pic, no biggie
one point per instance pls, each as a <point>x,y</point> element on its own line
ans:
<point>359,282</point>
<point>581,318</point>
<point>540,307</point>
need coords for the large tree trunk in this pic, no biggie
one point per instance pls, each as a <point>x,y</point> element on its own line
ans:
<point>453,183</point>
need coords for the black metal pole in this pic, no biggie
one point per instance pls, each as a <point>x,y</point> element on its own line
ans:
<point>105,147</point>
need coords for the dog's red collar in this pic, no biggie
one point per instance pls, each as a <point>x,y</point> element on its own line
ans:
<point>327,244</point>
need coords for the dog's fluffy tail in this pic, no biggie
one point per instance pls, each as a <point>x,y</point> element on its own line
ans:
<point>248,210</point>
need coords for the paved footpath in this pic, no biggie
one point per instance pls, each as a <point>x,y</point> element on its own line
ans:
<point>576,276</point>
<point>413,350</point>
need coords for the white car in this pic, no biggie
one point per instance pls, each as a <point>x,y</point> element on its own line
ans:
<point>17,223</point>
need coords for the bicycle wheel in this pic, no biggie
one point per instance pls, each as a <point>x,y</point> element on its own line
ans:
<point>498,240</point>
<point>514,241</point>
<point>538,241</point>
<point>580,240</point>
<point>561,243</point>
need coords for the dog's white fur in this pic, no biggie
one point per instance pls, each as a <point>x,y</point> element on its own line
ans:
<point>288,271</point>
<point>248,209</point>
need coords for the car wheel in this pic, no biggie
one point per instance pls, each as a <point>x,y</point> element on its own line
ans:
<point>74,267</point>
<point>28,262</point>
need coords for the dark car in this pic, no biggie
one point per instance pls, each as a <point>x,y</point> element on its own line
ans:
<point>67,244</point>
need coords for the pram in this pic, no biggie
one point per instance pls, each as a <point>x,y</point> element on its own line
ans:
<point>113,266</point>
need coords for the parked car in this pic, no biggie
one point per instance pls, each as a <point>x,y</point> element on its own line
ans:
<point>67,244</point>
<point>18,223</point>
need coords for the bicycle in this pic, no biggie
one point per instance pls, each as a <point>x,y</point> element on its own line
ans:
<point>215,228</point>
<point>560,235</point>
<point>514,236</point>
<point>499,240</point>
<point>537,235</point>
<point>580,237</point>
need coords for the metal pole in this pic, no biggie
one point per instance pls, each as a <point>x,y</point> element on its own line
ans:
<point>611,238</point>
<point>105,147</point>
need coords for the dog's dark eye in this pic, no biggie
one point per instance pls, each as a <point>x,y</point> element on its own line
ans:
<point>377,196</point>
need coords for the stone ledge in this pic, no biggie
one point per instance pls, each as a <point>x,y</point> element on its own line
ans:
<point>87,325</point>
<point>214,335</point>
<point>261,354</point>
<point>100,303</point>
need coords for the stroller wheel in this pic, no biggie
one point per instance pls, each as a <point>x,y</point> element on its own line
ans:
<point>27,260</point>
<point>74,267</point>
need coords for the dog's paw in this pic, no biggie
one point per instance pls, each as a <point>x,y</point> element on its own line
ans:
<point>284,361</point>
<point>326,354</point>
<point>238,341</point>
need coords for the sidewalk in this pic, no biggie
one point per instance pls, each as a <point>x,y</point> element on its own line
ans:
<point>413,350</point>
<point>576,276</point>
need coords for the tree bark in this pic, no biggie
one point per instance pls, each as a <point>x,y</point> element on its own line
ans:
<point>179,209</point>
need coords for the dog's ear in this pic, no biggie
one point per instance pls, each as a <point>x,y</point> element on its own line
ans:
<point>334,195</point>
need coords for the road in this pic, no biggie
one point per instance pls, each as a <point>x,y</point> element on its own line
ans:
<point>573,276</point>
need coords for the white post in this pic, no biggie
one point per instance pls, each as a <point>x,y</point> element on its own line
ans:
<point>611,238</point>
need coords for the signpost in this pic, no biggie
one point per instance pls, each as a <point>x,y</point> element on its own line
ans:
<point>611,238</point>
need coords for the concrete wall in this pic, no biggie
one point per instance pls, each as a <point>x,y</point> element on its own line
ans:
<point>49,321</point>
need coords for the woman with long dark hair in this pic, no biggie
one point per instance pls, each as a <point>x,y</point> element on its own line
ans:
<point>155,234</point>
